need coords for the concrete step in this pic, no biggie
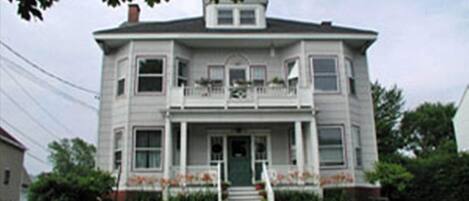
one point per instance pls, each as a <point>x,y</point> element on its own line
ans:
<point>244,193</point>
<point>242,188</point>
<point>236,193</point>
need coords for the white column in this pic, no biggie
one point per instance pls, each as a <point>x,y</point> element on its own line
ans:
<point>315,149</point>
<point>300,159</point>
<point>183,159</point>
<point>168,148</point>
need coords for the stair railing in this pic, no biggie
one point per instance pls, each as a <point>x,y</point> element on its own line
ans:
<point>268,185</point>
<point>219,187</point>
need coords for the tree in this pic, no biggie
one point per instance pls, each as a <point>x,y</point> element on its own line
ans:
<point>427,127</point>
<point>388,104</point>
<point>74,177</point>
<point>394,179</point>
<point>34,8</point>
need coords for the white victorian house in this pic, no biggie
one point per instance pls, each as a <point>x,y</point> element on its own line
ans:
<point>461,123</point>
<point>235,96</point>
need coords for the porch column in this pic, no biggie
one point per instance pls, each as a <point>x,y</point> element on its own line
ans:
<point>183,159</point>
<point>168,148</point>
<point>315,150</point>
<point>300,159</point>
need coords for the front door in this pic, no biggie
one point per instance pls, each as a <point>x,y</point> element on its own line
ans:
<point>239,161</point>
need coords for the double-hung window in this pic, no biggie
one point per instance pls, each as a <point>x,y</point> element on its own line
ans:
<point>121,72</point>
<point>258,75</point>
<point>293,72</point>
<point>217,152</point>
<point>357,145</point>
<point>260,154</point>
<point>216,75</point>
<point>225,16</point>
<point>150,75</point>
<point>325,74</point>
<point>331,148</point>
<point>147,149</point>
<point>247,17</point>
<point>118,136</point>
<point>351,76</point>
<point>181,72</point>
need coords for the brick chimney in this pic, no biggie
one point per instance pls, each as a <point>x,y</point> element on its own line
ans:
<point>134,13</point>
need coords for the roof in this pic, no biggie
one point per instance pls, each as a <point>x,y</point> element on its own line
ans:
<point>9,139</point>
<point>197,25</point>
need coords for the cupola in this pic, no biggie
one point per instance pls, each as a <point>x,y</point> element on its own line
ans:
<point>235,14</point>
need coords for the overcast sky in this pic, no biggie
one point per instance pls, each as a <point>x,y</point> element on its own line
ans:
<point>423,47</point>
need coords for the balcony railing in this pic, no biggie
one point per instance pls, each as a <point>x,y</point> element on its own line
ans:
<point>241,97</point>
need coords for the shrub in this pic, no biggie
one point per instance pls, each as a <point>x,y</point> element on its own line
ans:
<point>292,195</point>
<point>394,178</point>
<point>145,196</point>
<point>335,194</point>
<point>195,196</point>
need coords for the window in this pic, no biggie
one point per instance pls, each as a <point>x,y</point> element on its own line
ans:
<point>325,74</point>
<point>237,75</point>
<point>182,73</point>
<point>331,149</point>
<point>150,75</point>
<point>247,17</point>
<point>357,145</point>
<point>225,17</point>
<point>351,76</point>
<point>148,149</point>
<point>121,72</point>
<point>6,177</point>
<point>292,143</point>
<point>258,75</point>
<point>293,72</point>
<point>217,152</point>
<point>118,149</point>
<point>260,148</point>
<point>216,74</point>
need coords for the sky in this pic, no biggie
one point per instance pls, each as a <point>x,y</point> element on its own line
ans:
<point>422,47</point>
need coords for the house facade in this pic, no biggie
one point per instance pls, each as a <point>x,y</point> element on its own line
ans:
<point>238,96</point>
<point>461,123</point>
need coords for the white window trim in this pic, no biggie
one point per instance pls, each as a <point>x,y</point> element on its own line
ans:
<point>351,74</point>
<point>178,77</point>
<point>118,78</point>
<point>264,68</point>
<point>344,154</point>
<point>236,9</point>
<point>285,68</point>
<point>114,150</point>
<point>134,150</point>
<point>256,21</point>
<point>233,16</point>
<point>337,73</point>
<point>357,145</point>
<point>162,75</point>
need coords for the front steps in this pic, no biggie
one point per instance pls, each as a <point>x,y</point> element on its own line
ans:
<point>248,193</point>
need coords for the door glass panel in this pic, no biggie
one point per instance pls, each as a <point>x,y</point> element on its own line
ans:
<point>237,75</point>
<point>239,149</point>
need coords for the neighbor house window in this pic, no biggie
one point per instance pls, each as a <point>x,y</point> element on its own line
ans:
<point>293,72</point>
<point>148,148</point>
<point>182,73</point>
<point>216,75</point>
<point>258,75</point>
<point>118,149</point>
<point>325,74</point>
<point>150,75</point>
<point>225,17</point>
<point>331,149</point>
<point>247,17</point>
<point>351,76</point>
<point>121,72</point>
<point>357,145</point>
<point>6,177</point>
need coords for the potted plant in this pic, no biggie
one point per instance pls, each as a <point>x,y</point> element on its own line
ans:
<point>260,185</point>
<point>276,82</point>
<point>203,82</point>
<point>225,185</point>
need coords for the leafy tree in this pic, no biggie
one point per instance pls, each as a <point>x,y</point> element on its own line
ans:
<point>388,104</point>
<point>34,8</point>
<point>394,178</point>
<point>73,177</point>
<point>427,127</point>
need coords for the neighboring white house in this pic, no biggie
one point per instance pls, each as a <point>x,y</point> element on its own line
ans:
<point>461,123</point>
<point>201,100</point>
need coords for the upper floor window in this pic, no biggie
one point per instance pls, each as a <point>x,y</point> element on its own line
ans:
<point>121,72</point>
<point>325,74</point>
<point>225,17</point>
<point>258,75</point>
<point>147,148</point>
<point>357,145</point>
<point>216,74</point>
<point>247,17</point>
<point>182,73</point>
<point>331,148</point>
<point>351,76</point>
<point>293,72</point>
<point>118,149</point>
<point>150,75</point>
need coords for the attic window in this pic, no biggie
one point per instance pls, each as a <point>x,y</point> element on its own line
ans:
<point>225,17</point>
<point>247,17</point>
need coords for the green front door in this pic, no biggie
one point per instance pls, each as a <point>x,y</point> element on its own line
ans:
<point>239,161</point>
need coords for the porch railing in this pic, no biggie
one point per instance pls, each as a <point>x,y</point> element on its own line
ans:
<point>195,175</point>
<point>268,185</point>
<point>240,96</point>
<point>290,175</point>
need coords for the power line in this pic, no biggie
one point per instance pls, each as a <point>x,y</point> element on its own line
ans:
<point>37,158</point>
<point>42,70</point>
<point>57,121</point>
<point>28,75</point>
<point>18,131</point>
<point>28,114</point>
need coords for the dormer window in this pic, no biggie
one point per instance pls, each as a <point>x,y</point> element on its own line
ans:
<point>247,17</point>
<point>225,17</point>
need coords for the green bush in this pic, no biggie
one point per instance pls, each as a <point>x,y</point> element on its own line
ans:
<point>195,196</point>
<point>292,195</point>
<point>144,196</point>
<point>335,194</point>
<point>394,178</point>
